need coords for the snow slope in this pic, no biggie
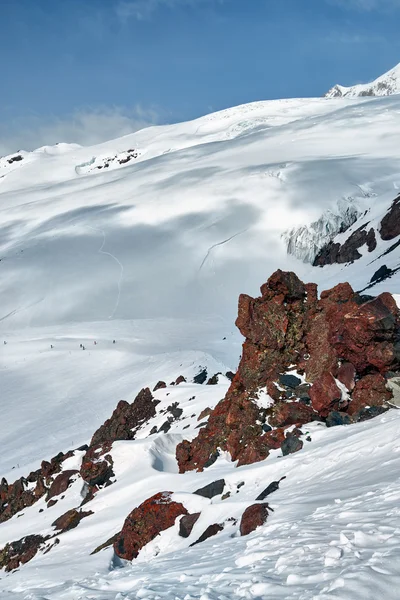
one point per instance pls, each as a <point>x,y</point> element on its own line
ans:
<point>384,85</point>
<point>153,253</point>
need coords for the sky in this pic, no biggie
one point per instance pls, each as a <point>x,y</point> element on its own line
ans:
<point>89,70</point>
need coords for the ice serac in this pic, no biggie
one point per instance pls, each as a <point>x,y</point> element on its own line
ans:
<point>385,85</point>
<point>341,345</point>
<point>306,241</point>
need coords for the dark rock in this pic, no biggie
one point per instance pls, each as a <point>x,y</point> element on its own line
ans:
<point>390,224</point>
<point>290,445</point>
<point>230,375</point>
<point>254,516</point>
<point>186,524</point>
<point>272,487</point>
<point>213,380</point>
<point>333,252</point>
<point>381,274</point>
<point>209,532</point>
<point>204,413</point>
<point>212,489</point>
<point>165,427</point>
<point>200,377</point>
<point>338,418</point>
<point>175,411</point>
<point>159,386</point>
<point>290,381</point>
<point>371,412</point>
<point>145,522</point>
<point>180,379</point>
<point>107,544</point>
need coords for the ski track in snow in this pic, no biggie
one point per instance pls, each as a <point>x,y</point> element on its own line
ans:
<point>119,284</point>
<point>219,244</point>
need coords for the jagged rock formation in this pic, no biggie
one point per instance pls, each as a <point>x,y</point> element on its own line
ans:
<point>341,345</point>
<point>385,85</point>
<point>365,235</point>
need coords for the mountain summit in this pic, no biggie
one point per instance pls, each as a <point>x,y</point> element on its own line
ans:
<point>385,85</point>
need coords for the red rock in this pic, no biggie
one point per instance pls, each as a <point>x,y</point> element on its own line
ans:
<point>325,395</point>
<point>20,552</point>
<point>254,516</point>
<point>160,385</point>
<point>180,379</point>
<point>70,519</point>
<point>346,374</point>
<point>369,391</point>
<point>145,522</point>
<point>61,483</point>
<point>291,413</point>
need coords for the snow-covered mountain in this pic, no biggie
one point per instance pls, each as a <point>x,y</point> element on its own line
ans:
<point>137,250</point>
<point>384,85</point>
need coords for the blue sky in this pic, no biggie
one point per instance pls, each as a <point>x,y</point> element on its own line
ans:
<point>86,70</point>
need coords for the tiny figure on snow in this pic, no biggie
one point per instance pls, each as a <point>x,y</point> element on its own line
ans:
<point>83,347</point>
<point>113,341</point>
<point>95,343</point>
<point>51,346</point>
<point>5,343</point>
<point>80,345</point>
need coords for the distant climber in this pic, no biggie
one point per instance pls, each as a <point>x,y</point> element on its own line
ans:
<point>113,341</point>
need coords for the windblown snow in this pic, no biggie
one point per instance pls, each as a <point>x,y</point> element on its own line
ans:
<point>152,252</point>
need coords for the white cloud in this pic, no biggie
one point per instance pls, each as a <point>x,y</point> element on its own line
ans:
<point>85,127</point>
<point>143,9</point>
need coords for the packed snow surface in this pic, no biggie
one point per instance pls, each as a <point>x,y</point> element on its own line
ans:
<point>153,253</point>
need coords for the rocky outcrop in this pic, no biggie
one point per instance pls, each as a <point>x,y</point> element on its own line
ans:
<point>209,532</point>
<point>97,464</point>
<point>20,552</point>
<point>26,491</point>
<point>187,523</point>
<point>390,224</point>
<point>342,345</point>
<point>336,253</point>
<point>145,522</point>
<point>126,419</point>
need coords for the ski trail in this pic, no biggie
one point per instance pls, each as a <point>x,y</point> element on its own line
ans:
<point>119,283</point>
<point>219,244</point>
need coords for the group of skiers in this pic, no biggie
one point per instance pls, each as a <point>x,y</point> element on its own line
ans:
<point>80,345</point>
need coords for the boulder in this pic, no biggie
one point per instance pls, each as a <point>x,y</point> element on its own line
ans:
<point>145,522</point>
<point>209,532</point>
<point>254,516</point>
<point>291,444</point>
<point>70,519</point>
<point>61,483</point>
<point>187,523</point>
<point>211,489</point>
<point>159,386</point>
<point>20,552</point>
<point>325,395</point>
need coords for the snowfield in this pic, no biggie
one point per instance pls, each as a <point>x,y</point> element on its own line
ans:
<point>152,252</point>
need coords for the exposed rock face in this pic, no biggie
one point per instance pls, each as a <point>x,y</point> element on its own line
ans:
<point>61,483</point>
<point>212,489</point>
<point>20,552</point>
<point>342,344</point>
<point>24,492</point>
<point>333,253</point>
<point>145,522</point>
<point>126,419</point>
<point>390,224</point>
<point>97,464</point>
<point>254,516</point>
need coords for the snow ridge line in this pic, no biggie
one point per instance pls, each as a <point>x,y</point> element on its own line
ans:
<point>119,283</point>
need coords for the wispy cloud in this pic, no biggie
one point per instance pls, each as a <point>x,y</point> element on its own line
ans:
<point>144,9</point>
<point>85,127</point>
